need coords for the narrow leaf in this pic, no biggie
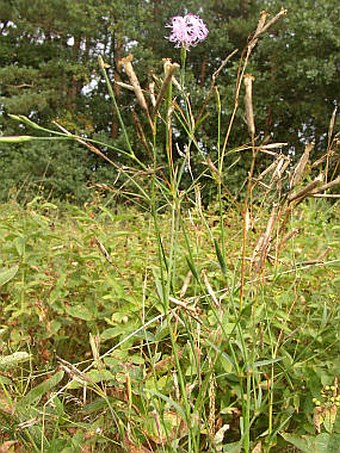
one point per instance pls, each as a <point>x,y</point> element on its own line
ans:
<point>15,138</point>
<point>192,267</point>
<point>35,395</point>
<point>220,258</point>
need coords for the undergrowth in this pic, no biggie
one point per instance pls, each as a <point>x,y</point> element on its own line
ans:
<point>87,359</point>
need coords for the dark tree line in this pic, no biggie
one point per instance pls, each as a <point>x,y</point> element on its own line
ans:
<point>49,72</point>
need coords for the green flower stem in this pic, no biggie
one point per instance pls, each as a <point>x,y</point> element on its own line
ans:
<point>114,101</point>
<point>168,138</point>
<point>220,158</point>
<point>183,62</point>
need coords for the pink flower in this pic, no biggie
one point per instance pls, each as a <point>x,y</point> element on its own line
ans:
<point>187,31</point>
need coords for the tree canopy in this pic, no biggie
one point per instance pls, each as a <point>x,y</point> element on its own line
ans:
<point>49,72</point>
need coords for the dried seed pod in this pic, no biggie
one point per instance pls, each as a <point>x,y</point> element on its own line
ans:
<point>248,100</point>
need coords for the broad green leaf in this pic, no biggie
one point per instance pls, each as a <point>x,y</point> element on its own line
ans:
<point>35,395</point>
<point>234,447</point>
<point>20,245</point>
<point>323,443</point>
<point>80,312</point>
<point>8,274</point>
<point>113,332</point>
<point>5,381</point>
<point>14,359</point>
<point>93,377</point>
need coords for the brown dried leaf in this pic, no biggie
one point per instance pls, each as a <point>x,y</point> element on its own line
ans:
<point>257,448</point>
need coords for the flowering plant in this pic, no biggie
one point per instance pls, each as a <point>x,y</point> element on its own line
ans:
<point>187,30</point>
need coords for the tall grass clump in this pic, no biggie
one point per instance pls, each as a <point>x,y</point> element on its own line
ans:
<point>168,326</point>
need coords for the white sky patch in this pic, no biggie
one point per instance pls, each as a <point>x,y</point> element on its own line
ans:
<point>87,89</point>
<point>131,44</point>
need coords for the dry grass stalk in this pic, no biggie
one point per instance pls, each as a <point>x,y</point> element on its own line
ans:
<point>169,70</point>
<point>331,127</point>
<point>83,142</point>
<point>319,260</point>
<point>152,93</point>
<point>75,374</point>
<point>213,169</point>
<point>259,30</point>
<point>212,405</point>
<point>247,220</point>
<point>327,186</point>
<point>182,304</point>
<point>124,85</point>
<point>262,247</point>
<point>211,291</point>
<point>126,62</point>
<point>282,166</point>
<point>267,148</point>
<point>299,171</point>
<point>267,170</point>
<point>329,145</point>
<point>288,236</point>
<point>322,159</point>
<point>263,26</point>
<point>248,100</point>
<point>213,83</point>
<point>278,168</point>
<point>198,200</point>
<point>306,191</point>
<point>326,195</point>
<point>140,133</point>
<point>186,284</point>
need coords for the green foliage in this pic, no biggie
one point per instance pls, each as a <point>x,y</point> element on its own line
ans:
<point>57,170</point>
<point>87,290</point>
<point>316,444</point>
<point>296,69</point>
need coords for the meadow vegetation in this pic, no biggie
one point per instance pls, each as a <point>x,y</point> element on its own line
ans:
<point>87,358</point>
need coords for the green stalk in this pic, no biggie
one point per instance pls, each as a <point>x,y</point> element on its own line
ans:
<point>220,172</point>
<point>183,62</point>
<point>114,101</point>
<point>166,278</point>
<point>185,99</point>
<point>168,265</point>
<point>168,138</point>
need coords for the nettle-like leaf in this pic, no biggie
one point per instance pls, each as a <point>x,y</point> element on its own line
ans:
<point>323,443</point>
<point>13,360</point>
<point>7,275</point>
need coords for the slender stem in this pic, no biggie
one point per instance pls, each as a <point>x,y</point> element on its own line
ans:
<point>220,171</point>
<point>246,219</point>
<point>168,137</point>
<point>114,101</point>
<point>183,62</point>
